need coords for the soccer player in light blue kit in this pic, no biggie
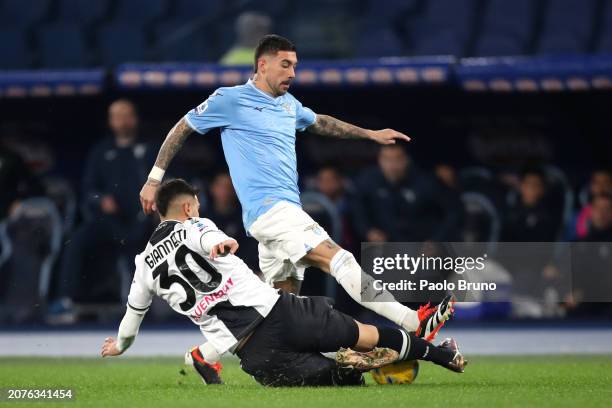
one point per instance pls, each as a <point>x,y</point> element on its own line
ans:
<point>258,123</point>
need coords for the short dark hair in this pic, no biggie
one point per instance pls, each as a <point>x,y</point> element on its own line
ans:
<point>169,190</point>
<point>534,170</point>
<point>271,44</point>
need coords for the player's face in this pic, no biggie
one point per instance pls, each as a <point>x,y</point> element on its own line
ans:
<point>279,71</point>
<point>192,207</point>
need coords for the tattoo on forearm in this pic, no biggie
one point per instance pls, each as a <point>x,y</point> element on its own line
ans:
<point>330,126</point>
<point>173,143</point>
<point>330,244</point>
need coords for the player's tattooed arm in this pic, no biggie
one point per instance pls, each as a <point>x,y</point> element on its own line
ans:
<point>172,144</point>
<point>326,125</point>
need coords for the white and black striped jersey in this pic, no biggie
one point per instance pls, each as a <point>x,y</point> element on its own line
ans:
<point>223,296</point>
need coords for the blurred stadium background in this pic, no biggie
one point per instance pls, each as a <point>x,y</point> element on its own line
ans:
<point>507,102</point>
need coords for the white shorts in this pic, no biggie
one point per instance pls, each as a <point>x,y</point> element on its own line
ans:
<point>286,233</point>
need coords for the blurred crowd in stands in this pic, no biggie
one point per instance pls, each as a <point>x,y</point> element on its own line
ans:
<point>67,255</point>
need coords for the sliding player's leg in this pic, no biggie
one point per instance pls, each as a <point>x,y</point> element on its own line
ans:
<point>312,324</point>
<point>205,361</point>
<point>378,346</point>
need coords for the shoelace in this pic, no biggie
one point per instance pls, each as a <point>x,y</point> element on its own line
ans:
<point>425,311</point>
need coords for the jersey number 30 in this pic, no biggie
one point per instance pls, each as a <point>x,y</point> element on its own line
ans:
<point>186,277</point>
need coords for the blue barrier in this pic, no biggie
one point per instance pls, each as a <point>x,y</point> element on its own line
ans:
<point>507,74</point>
<point>19,84</point>
<point>535,74</point>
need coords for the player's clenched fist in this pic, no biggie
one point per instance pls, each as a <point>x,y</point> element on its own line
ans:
<point>229,246</point>
<point>109,348</point>
<point>147,195</point>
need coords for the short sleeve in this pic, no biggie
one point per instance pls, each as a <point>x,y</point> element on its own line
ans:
<point>214,112</point>
<point>304,116</point>
<point>140,296</point>
<point>203,234</point>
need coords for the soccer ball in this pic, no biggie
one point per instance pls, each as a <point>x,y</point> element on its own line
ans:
<point>400,372</point>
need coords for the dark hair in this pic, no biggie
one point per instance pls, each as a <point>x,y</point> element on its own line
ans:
<point>271,44</point>
<point>171,189</point>
<point>534,170</point>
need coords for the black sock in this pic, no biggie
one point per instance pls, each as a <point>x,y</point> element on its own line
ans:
<point>411,347</point>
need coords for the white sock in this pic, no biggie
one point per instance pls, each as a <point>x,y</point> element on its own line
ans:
<point>347,272</point>
<point>209,353</point>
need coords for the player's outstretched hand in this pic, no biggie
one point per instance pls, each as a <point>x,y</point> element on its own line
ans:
<point>388,136</point>
<point>109,348</point>
<point>147,196</point>
<point>229,246</point>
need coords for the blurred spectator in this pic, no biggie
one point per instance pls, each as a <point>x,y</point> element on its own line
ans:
<point>447,174</point>
<point>225,211</point>
<point>16,180</point>
<point>396,201</point>
<point>601,183</point>
<point>114,225</point>
<point>250,27</point>
<point>331,184</point>
<point>530,219</point>
<point>600,227</point>
<point>591,261</point>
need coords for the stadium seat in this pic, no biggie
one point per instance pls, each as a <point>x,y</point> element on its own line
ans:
<point>443,28</point>
<point>605,40</point>
<point>173,43</point>
<point>13,13</point>
<point>507,28</point>
<point>120,43</point>
<point>567,27</point>
<point>34,237</point>
<point>320,39</point>
<point>379,42</point>
<point>82,12</point>
<point>377,34</point>
<point>62,46</point>
<point>192,9</point>
<point>481,219</point>
<point>197,46</point>
<point>496,45</point>
<point>62,194</point>
<point>14,49</point>
<point>392,8</point>
<point>140,12</point>
<point>273,8</point>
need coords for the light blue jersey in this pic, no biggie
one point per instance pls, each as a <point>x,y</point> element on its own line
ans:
<point>258,137</point>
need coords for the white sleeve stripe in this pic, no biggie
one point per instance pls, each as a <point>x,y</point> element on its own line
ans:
<point>192,126</point>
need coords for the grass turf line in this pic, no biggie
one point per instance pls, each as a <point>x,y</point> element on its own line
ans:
<point>541,381</point>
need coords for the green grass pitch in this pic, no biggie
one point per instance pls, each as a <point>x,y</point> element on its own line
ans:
<point>555,381</point>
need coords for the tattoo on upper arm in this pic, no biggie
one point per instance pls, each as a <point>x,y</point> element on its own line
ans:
<point>330,126</point>
<point>173,143</point>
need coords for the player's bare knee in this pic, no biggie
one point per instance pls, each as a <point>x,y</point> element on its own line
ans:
<point>321,256</point>
<point>368,337</point>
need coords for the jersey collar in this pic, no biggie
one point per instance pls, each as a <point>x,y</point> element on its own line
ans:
<point>252,85</point>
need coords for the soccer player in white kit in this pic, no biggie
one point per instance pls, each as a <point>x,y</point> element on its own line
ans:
<point>258,123</point>
<point>278,337</point>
